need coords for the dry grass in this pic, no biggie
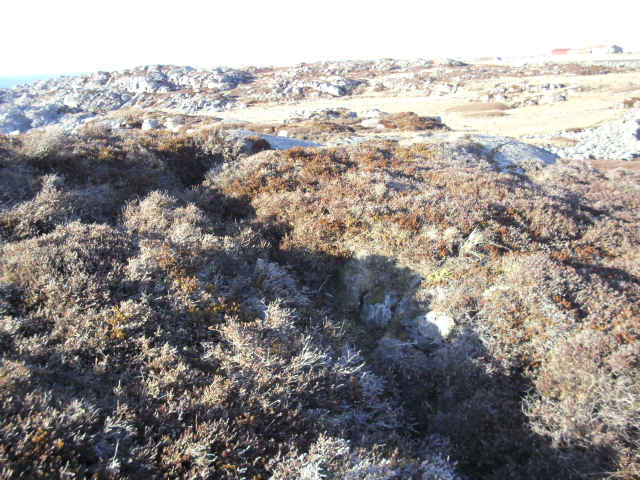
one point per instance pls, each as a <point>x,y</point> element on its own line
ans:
<point>629,88</point>
<point>479,107</point>
<point>488,113</point>
<point>605,166</point>
<point>631,102</point>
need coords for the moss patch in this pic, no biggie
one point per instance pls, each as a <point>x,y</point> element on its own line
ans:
<point>377,296</point>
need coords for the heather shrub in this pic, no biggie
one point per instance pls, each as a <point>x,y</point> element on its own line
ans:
<point>170,327</point>
<point>66,278</point>
<point>51,207</point>
<point>48,143</point>
<point>521,263</point>
<point>160,214</point>
<point>17,185</point>
<point>632,102</point>
<point>587,400</point>
<point>411,122</point>
<point>333,458</point>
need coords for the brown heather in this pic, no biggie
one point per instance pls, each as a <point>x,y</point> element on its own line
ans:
<point>174,306</point>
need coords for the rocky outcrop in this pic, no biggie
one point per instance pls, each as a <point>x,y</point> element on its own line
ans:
<point>510,154</point>
<point>285,85</point>
<point>275,142</point>
<point>619,140</point>
<point>184,90</point>
<point>389,306</point>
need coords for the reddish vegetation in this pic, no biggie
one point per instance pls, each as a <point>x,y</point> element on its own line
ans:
<point>159,321</point>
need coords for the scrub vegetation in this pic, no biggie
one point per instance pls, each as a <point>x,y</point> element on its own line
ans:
<point>175,305</point>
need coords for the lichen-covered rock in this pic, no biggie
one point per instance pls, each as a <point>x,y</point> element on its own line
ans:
<point>377,307</point>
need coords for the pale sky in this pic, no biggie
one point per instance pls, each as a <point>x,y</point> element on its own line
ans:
<point>65,36</point>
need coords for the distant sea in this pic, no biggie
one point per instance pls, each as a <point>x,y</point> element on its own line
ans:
<point>8,82</point>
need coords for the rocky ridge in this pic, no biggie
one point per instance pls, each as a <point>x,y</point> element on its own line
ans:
<point>74,101</point>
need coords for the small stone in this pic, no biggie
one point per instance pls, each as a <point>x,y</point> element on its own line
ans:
<point>149,124</point>
<point>435,326</point>
<point>552,98</point>
<point>370,123</point>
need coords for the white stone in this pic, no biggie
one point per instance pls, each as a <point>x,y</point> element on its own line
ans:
<point>435,326</point>
<point>370,123</point>
<point>551,98</point>
<point>149,124</point>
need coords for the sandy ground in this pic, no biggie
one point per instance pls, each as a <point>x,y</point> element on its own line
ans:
<point>597,104</point>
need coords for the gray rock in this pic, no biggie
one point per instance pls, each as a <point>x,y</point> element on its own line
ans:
<point>12,119</point>
<point>377,307</point>
<point>173,124</point>
<point>449,62</point>
<point>552,98</point>
<point>334,90</point>
<point>277,143</point>
<point>618,139</point>
<point>510,154</point>
<point>435,326</point>
<point>350,292</point>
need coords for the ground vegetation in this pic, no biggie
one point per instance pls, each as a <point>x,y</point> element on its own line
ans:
<point>176,305</point>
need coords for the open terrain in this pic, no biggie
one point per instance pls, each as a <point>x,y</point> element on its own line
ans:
<point>401,286</point>
<point>518,99</point>
<point>596,104</point>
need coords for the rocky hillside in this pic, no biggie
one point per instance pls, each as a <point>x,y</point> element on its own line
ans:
<point>170,90</point>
